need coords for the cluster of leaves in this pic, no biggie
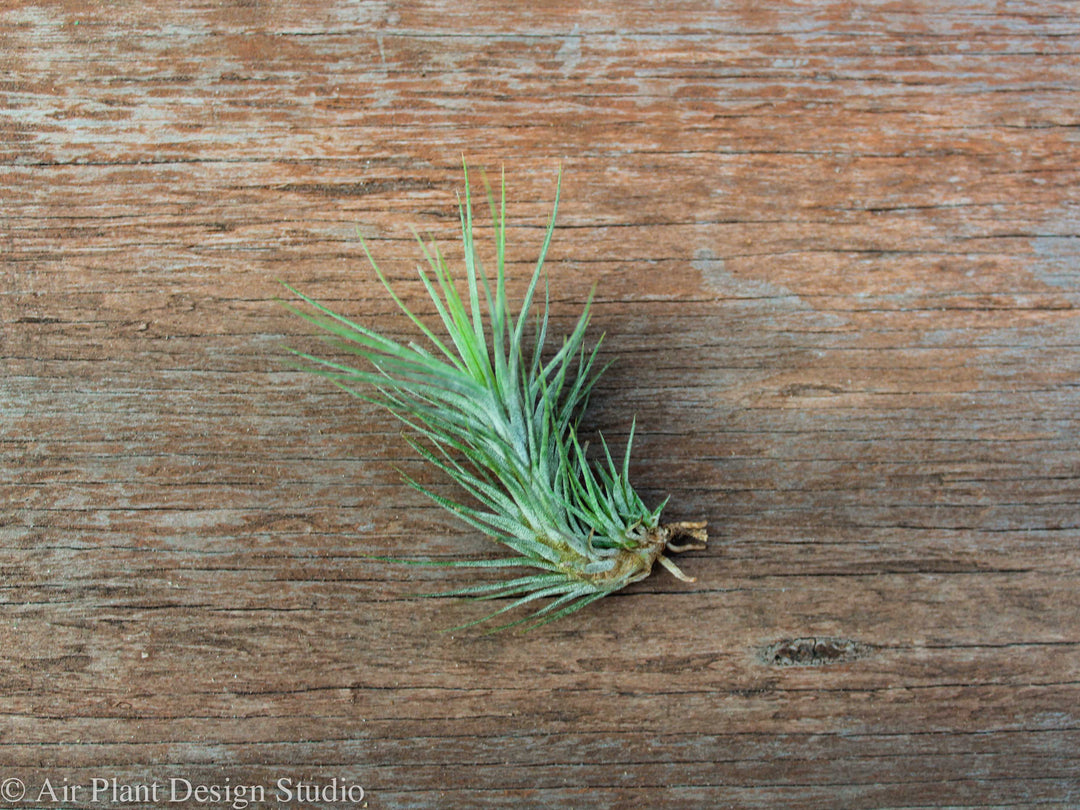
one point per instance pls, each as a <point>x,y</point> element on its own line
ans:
<point>490,408</point>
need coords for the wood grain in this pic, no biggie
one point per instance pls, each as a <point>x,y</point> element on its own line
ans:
<point>837,250</point>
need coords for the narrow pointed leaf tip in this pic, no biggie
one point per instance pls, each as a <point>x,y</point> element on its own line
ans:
<point>496,410</point>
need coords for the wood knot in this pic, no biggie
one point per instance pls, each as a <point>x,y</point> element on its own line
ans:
<point>812,652</point>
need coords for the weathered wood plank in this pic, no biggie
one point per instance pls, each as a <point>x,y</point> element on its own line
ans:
<point>838,261</point>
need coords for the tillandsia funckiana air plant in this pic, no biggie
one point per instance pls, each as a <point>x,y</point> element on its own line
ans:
<point>488,406</point>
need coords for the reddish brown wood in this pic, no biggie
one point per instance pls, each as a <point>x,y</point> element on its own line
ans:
<point>836,249</point>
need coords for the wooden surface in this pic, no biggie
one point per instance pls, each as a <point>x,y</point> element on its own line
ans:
<point>838,254</point>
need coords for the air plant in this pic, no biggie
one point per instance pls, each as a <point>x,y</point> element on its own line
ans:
<point>491,407</point>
